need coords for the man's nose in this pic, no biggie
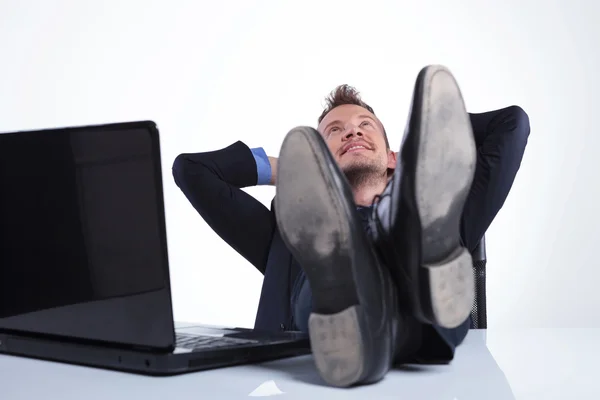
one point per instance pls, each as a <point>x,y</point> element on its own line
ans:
<point>352,131</point>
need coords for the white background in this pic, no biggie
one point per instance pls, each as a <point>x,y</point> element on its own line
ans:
<point>211,73</point>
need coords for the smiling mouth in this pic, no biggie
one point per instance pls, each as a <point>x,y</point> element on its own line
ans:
<point>355,149</point>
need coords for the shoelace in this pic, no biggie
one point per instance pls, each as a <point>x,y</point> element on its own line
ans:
<point>364,214</point>
<point>374,220</point>
<point>381,238</point>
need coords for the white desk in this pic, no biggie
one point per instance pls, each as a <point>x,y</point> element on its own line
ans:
<point>520,364</point>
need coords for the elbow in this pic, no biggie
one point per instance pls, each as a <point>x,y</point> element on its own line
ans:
<point>520,123</point>
<point>511,127</point>
<point>180,169</point>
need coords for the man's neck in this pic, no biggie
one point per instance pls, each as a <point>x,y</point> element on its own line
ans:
<point>365,194</point>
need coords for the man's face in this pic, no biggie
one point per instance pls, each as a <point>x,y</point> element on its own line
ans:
<point>356,140</point>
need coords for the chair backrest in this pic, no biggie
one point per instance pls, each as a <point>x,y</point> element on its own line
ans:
<point>479,311</point>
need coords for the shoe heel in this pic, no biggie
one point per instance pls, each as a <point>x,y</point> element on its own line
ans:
<point>338,346</point>
<point>452,289</point>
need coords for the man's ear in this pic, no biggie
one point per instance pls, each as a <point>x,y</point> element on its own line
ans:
<point>392,159</point>
<point>391,165</point>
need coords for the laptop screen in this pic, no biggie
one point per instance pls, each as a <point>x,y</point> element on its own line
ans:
<point>82,237</point>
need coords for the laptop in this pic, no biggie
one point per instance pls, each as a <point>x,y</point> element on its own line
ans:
<point>84,273</point>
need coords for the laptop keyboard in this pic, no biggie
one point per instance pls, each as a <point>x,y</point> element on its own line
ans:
<point>196,342</point>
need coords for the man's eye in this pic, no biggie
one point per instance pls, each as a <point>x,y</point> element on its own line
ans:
<point>365,123</point>
<point>334,129</point>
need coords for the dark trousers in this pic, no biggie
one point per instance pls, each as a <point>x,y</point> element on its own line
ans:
<point>501,137</point>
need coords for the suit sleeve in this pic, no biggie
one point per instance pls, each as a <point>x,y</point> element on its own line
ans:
<point>212,182</point>
<point>501,137</point>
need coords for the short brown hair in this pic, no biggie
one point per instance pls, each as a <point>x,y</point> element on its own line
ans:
<point>346,94</point>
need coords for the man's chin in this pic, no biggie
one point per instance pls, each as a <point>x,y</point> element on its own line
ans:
<point>357,163</point>
<point>366,167</point>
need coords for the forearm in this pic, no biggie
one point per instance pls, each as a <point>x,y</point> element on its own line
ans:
<point>273,164</point>
<point>233,165</point>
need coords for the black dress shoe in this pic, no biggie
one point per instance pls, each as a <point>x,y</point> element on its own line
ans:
<point>352,324</point>
<point>417,218</point>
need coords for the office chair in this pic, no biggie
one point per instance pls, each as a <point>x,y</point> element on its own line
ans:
<point>479,312</point>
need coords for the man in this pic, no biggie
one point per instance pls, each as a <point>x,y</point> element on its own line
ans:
<point>367,249</point>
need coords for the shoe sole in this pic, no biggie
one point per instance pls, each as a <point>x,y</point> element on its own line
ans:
<point>320,239</point>
<point>445,166</point>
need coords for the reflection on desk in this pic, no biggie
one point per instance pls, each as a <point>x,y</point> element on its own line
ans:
<point>497,365</point>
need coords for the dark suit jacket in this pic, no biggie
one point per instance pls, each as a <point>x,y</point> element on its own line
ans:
<point>212,182</point>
